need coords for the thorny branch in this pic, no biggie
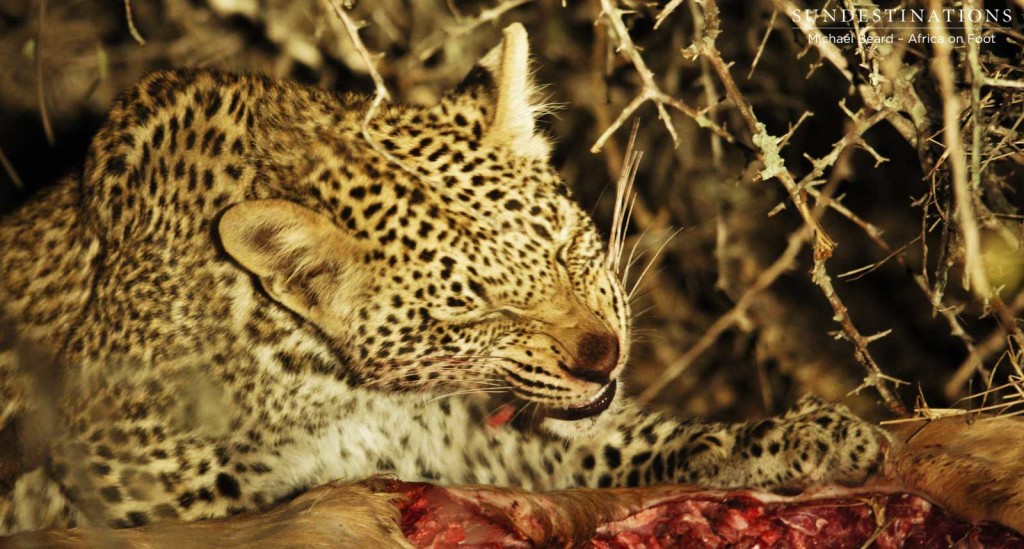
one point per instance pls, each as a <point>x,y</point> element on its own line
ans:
<point>769,154</point>
<point>466,26</point>
<point>650,90</point>
<point>875,234</point>
<point>966,219</point>
<point>768,144</point>
<point>827,49</point>
<point>381,91</point>
<point>44,113</point>
<point>965,191</point>
<point>875,377</point>
<point>861,123</point>
<point>992,345</point>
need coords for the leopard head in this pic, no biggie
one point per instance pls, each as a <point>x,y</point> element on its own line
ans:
<point>451,257</point>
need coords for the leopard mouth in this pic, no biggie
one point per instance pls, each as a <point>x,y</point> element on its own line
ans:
<point>599,403</point>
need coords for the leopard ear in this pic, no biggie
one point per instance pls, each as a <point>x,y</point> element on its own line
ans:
<point>515,117</point>
<point>301,258</point>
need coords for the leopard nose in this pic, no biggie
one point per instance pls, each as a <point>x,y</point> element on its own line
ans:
<point>597,354</point>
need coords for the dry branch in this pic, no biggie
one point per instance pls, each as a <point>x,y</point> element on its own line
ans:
<point>966,219</point>
<point>920,280</point>
<point>978,355</point>
<point>9,169</point>
<point>775,167</point>
<point>380,94</point>
<point>650,90</point>
<point>875,377</point>
<point>44,113</point>
<point>966,182</point>
<point>466,26</point>
<point>827,49</point>
<point>131,23</point>
<point>768,144</point>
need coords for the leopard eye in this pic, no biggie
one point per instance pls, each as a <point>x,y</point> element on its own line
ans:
<point>505,313</point>
<point>562,255</point>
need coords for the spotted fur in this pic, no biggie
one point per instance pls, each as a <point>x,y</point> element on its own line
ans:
<point>245,298</point>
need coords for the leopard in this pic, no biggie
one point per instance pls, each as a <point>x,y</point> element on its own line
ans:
<point>254,287</point>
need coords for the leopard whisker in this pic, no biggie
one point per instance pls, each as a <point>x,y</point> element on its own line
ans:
<point>522,408</point>
<point>651,262</point>
<point>630,261</point>
<point>536,408</point>
<point>466,392</point>
<point>622,238</point>
<point>623,188</point>
<point>642,313</point>
<point>644,293</point>
<point>487,379</point>
<point>450,363</point>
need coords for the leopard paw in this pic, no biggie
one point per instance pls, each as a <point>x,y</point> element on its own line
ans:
<point>850,449</point>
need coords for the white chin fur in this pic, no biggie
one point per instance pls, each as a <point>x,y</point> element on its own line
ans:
<point>588,427</point>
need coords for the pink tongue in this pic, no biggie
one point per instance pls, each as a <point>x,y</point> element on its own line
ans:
<point>501,416</point>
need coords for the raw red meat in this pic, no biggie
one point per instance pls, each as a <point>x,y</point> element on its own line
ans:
<point>439,517</point>
<point>948,483</point>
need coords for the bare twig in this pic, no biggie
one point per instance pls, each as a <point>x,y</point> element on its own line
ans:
<point>710,93</point>
<point>625,45</point>
<point>1003,83</point>
<point>650,90</point>
<point>827,49</point>
<point>875,377</point>
<point>989,347</point>
<point>1003,141</point>
<point>774,167</point>
<point>964,193</point>
<point>875,234</point>
<point>966,219</point>
<point>380,90</point>
<point>860,272</point>
<point>466,26</point>
<point>131,23</point>
<point>764,40</point>
<point>380,94</point>
<point>11,172</point>
<point>977,77</point>
<point>793,126</point>
<point>40,86</point>
<point>863,121</point>
<point>666,11</point>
